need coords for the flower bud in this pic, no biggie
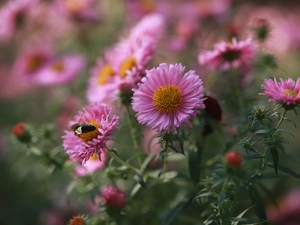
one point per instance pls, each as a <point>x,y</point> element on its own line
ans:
<point>234,159</point>
<point>125,93</point>
<point>261,29</point>
<point>77,220</point>
<point>114,197</point>
<point>21,133</point>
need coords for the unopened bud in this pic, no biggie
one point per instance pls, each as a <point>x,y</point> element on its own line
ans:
<point>21,133</point>
<point>234,159</point>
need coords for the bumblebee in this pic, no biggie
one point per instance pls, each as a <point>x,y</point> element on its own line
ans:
<point>82,128</point>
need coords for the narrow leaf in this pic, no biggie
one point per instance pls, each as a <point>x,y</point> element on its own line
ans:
<point>286,170</point>
<point>274,154</point>
<point>139,178</point>
<point>258,203</point>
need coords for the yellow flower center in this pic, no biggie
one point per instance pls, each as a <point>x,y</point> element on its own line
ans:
<point>128,64</point>
<point>58,66</point>
<point>90,135</point>
<point>290,92</point>
<point>94,157</point>
<point>167,98</point>
<point>106,72</point>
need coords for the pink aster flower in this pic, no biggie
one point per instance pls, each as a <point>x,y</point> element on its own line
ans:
<point>102,82</point>
<point>286,92</point>
<point>114,197</point>
<point>125,62</point>
<point>60,70</point>
<point>166,98</point>
<point>30,62</point>
<point>227,55</point>
<point>92,128</point>
<point>12,15</point>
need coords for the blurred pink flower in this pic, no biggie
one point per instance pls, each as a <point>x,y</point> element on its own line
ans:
<point>184,32</point>
<point>125,62</point>
<point>30,62</point>
<point>92,128</point>
<point>287,211</point>
<point>60,70</point>
<point>92,164</point>
<point>286,92</point>
<point>165,99</point>
<point>227,55</point>
<point>102,84</point>
<point>13,15</point>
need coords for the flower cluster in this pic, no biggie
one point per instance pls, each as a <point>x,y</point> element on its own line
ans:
<point>179,105</point>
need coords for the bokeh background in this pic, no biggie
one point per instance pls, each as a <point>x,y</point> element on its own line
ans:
<point>30,191</point>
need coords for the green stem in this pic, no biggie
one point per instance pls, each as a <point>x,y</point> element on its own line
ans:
<point>281,119</point>
<point>132,134</point>
<point>119,160</point>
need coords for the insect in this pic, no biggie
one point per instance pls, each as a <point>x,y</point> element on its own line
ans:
<point>81,128</point>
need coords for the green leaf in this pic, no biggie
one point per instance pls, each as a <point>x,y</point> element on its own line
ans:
<point>286,170</point>
<point>236,219</point>
<point>261,132</point>
<point>244,221</point>
<point>274,154</point>
<point>180,203</point>
<point>139,178</point>
<point>258,203</point>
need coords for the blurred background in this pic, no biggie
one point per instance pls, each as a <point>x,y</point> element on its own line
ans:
<point>31,191</point>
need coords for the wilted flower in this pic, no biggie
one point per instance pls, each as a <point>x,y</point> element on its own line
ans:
<point>285,92</point>
<point>227,55</point>
<point>91,130</point>
<point>166,98</point>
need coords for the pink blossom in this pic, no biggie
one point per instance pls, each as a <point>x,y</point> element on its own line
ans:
<point>166,98</point>
<point>81,144</point>
<point>287,211</point>
<point>286,92</point>
<point>227,55</point>
<point>60,70</point>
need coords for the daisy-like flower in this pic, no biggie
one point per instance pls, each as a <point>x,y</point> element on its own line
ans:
<point>166,98</point>
<point>92,128</point>
<point>102,83</point>
<point>285,92</point>
<point>12,16</point>
<point>60,70</point>
<point>227,55</point>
